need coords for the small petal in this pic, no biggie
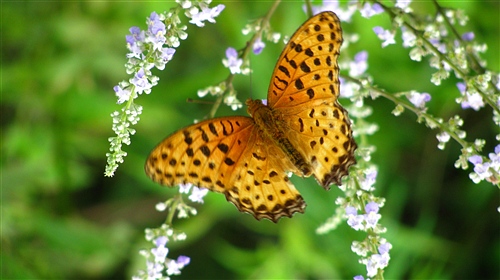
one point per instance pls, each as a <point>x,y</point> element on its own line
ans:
<point>359,65</point>
<point>476,159</point>
<point>206,14</point>
<point>232,61</point>
<point>184,188</point>
<point>369,10</point>
<point>385,35</point>
<point>123,94</point>
<point>258,46</point>
<point>160,253</point>
<point>349,210</point>
<point>173,268</point>
<point>161,241</point>
<point>369,180</point>
<point>384,248</point>
<point>402,4</point>
<point>183,261</point>
<point>197,194</point>
<point>468,36</point>
<point>473,101</point>
<point>371,207</point>
<point>419,99</point>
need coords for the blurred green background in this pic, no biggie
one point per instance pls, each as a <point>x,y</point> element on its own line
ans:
<point>61,218</point>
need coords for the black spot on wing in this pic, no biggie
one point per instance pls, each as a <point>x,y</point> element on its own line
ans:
<point>298,84</point>
<point>284,70</point>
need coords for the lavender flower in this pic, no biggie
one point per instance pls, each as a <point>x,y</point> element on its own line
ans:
<point>371,217</point>
<point>470,99</point>
<point>359,65</point>
<point>409,38</point>
<point>258,46</point>
<point>156,31</point>
<point>158,265</point>
<point>369,179</point>
<point>468,36</point>
<point>141,82</point>
<point>232,61</point>
<point>353,219</point>
<point>154,270</point>
<point>486,169</point>
<point>123,94</point>
<point>174,266</point>
<point>419,99</point>
<point>364,221</point>
<point>369,10</point>
<point>385,35</point>
<point>134,42</point>
<point>160,251</point>
<point>378,261</point>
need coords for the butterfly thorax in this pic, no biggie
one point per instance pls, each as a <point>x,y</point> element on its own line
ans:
<point>271,126</point>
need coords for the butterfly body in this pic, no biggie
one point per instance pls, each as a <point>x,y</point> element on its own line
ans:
<point>302,130</point>
<point>273,127</point>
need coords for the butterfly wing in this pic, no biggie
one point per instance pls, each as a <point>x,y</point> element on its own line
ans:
<point>323,135</point>
<point>307,70</point>
<point>304,90</point>
<point>228,155</point>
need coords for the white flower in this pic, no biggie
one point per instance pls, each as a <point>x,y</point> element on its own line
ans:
<point>206,14</point>
<point>123,94</point>
<point>197,194</point>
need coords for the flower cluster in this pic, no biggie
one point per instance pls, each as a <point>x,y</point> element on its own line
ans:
<point>148,49</point>
<point>364,221</point>
<point>486,169</point>
<point>374,261</point>
<point>158,266</point>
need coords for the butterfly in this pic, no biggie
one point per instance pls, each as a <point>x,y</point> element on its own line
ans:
<point>302,130</point>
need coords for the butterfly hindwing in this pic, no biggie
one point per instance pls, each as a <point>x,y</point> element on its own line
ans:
<point>324,136</point>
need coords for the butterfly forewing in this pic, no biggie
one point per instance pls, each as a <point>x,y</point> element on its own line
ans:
<point>304,91</point>
<point>307,69</point>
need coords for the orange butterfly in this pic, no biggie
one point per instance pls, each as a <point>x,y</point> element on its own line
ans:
<point>303,130</point>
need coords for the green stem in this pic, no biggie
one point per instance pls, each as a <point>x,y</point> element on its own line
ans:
<point>173,207</point>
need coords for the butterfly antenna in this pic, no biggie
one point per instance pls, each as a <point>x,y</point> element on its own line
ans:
<point>250,66</point>
<point>198,101</point>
